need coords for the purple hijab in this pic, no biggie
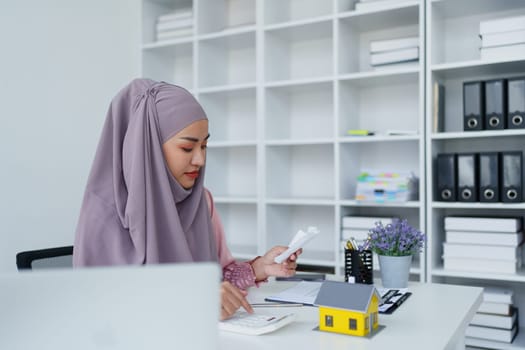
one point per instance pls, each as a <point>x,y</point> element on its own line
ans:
<point>134,211</point>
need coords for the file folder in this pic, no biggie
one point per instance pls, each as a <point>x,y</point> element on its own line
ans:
<point>467,177</point>
<point>446,177</point>
<point>473,105</point>
<point>489,177</point>
<point>495,104</point>
<point>512,176</point>
<point>516,103</point>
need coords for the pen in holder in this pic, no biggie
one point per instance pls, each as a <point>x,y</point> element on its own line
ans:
<point>358,266</point>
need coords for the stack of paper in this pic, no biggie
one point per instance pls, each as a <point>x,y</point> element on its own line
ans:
<point>175,24</point>
<point>385,186</point>
<point>496,323</point>
<point>394,51</point>
<point>502,38</point>
<point>481,244</point>
<point>375,5</point>
<point>357,227</point>
<point>303,292</point>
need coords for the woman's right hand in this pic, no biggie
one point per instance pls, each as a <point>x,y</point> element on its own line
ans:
<point>232,298</point>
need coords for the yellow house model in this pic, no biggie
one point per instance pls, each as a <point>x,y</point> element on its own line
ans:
<point>348,308</point>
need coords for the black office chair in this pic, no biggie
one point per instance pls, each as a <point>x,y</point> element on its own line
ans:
<point>45,258</point>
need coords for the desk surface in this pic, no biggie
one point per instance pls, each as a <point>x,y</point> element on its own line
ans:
<point>434,317</point>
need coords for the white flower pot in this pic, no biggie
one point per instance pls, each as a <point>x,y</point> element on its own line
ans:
<point>395,270</point>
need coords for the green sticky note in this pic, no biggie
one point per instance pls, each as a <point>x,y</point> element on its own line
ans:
<point>359,132</point>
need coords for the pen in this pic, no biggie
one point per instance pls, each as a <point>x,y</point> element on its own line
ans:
<point>276,305</point>
<point>354,243</point>
<point>366,244</point>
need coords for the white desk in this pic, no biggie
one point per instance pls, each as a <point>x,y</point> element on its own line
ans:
<point>435,316</point>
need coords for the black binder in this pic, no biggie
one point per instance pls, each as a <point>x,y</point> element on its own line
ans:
<point>446,177</point>
<point>516,103</point>
<point>512,176</point>
<point>467,187</point>
<point>473,105</point>
<point>495,104</point>
<point>489,177</point>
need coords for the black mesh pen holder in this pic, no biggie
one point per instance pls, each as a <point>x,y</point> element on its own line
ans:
<point>358,266</point>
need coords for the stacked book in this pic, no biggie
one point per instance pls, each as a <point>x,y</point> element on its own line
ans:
<point>394,51</point>
<point>502,38</point>
<point>357,227</point>
<point>372,5</point>
<point>496,322</point>
<point>175,24</point>
<point>482,244</point>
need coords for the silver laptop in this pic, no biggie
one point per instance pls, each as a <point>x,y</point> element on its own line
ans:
<point>149,307</point>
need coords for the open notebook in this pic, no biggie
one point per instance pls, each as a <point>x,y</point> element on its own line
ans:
<point>148,307</point>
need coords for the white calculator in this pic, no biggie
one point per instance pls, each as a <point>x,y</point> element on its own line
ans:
<point>255,324</point>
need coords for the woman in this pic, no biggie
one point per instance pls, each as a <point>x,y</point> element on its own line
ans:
<point>145,202</point>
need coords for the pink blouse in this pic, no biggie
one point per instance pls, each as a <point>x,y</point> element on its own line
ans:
<point>240,274</point>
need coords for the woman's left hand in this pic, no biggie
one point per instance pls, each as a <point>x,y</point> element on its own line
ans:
<point>265,266</point>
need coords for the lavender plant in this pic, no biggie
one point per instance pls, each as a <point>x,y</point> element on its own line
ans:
<point>395,239</point>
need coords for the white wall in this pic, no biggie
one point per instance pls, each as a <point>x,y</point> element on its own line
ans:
<point>61,62</point>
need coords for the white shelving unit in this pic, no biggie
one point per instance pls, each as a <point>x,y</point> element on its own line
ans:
<point>282,81</point>
<point>453,57</point>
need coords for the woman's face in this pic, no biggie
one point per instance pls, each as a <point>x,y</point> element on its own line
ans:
<point>185,153</point>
